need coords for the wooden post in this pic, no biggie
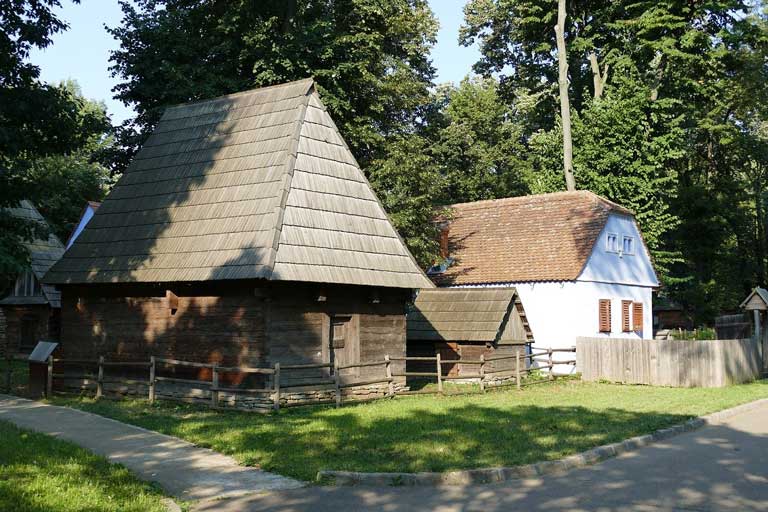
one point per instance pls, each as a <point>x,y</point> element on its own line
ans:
<point>388,368</point>
<point>439,374</point>
<point>49,380</point>
<point>517,368</point>
<point>276,383</point>
<point>100,379</point>
<point>8,371</point>
<point>337,382</point>
<point>214,385</point>
<point>551,364</point>
<point>482,373</point>
<point>152,380</point>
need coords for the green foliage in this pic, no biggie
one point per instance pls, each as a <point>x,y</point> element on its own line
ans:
<point>369,57</point>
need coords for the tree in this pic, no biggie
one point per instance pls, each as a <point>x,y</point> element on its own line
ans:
<point>565,105</point>
<point>369,57</point>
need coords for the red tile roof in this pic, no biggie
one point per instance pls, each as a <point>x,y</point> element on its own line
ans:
<point>546,237</point>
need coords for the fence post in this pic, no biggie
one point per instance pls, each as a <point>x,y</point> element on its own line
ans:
<point>49,380</point>
<point>482,373</point>
<point>152,379</point>
<point>388,368</point>
<point>551,364</point>
<point>214,385</point>
<point>8,371</point>
<point>100,379</point>
<point>517,368</point>
<point>337,382</point>
<point>439,373</point>
<point>276,383</point>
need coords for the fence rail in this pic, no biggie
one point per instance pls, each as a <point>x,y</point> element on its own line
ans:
<point>281,388</point>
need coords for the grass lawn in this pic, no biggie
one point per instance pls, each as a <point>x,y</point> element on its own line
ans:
<point>431,433</point>
<point>39,473</point>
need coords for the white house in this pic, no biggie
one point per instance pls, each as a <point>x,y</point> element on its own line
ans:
<point>577,260</point>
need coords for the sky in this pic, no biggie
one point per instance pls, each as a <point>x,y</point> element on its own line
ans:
<point>82,52</point>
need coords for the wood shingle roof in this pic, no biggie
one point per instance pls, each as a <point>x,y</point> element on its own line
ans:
<point>546,237</point>
<point>43,255</point>
<point>464,314</point>
<point>257,184</point>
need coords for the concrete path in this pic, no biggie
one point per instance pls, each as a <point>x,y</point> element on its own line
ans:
<point>723,466</point>
<point>182,469</point>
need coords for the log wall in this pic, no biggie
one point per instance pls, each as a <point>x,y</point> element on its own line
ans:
<point>676,363</point>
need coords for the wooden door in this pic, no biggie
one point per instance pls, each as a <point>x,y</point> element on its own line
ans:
<point>344,342</point>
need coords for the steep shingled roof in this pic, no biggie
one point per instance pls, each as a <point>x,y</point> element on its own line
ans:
<point>43,254</point>
<point>465,314</point>
<point>546,237</point>
<point>257,184</point>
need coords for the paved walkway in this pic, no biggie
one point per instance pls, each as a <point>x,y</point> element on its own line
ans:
<point>723,466</point>
<point>182,469</point>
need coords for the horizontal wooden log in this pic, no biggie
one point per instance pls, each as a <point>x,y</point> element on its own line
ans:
<point>363,365</point>
<point>412,358</point>
<point>125,381</point>
<point>184,381</point>
<point>245,369</point>
<point>73,376</point>
<point>128,363</point>
<point>176,362</point>
<point>365,383</point>
<point>461,361</point>
<point>248,391</point>
<point>76,361</point>
<point>459,377</point>
<point>416,374</point>
<point>308,384</point>
<point>305,366</point>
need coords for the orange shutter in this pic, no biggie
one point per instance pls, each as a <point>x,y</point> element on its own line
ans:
<point>637,317</point>
<point>605,315</point>
<point>625,323</point>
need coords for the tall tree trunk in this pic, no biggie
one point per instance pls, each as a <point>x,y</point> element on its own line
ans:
<point>565,107</point>
<point>598,79</point>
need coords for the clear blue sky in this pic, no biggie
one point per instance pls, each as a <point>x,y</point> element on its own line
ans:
<point>82,52</point>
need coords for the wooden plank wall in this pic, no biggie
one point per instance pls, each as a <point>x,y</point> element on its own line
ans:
<point>675,363</point>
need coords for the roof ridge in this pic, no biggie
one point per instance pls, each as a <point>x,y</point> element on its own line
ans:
<point>290,166</point>
<point>242,93</point>
<point>587,194</point>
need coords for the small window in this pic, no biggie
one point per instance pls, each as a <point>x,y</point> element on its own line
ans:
<point>604,314</point>
<point>612,242</point>
<point>628,245</point>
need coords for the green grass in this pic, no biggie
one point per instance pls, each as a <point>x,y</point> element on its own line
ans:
<point>19,376</point>
<point>432,433</point>
<point>39,473</point>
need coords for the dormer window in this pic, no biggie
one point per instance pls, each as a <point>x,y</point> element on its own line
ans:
<point>628,245</point>
<point>612,242</point>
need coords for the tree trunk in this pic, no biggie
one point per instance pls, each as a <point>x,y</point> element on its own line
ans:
<point>565,108</point>
<point>598,79</point>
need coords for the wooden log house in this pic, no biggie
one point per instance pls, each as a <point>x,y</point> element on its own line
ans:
<point>243,233</point>
<point>31,310</point>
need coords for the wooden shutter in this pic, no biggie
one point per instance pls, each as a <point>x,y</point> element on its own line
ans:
<point>626,305</point>
<point>637,317</point>
<point>605,315</point>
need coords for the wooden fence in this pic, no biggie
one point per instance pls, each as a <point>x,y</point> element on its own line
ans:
<point>676,363</point>
<point>279,390</point>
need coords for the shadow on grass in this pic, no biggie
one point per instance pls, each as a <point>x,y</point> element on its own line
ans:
<point>391,436</point>
<point>39,473</point>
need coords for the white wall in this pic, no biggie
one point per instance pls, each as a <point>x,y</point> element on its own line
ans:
<point>559,312</point>
<point>611,267</point>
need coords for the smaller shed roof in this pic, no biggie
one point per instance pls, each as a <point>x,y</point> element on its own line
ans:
<point>464,314</point>
<point>757,299</point>
<point>43,254</point>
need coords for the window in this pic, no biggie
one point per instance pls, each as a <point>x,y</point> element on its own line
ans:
<point>626,306</point>
<point>628,245</point>
<point>604,315</point>
<point>612,242</point>
<point>637,318</point>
